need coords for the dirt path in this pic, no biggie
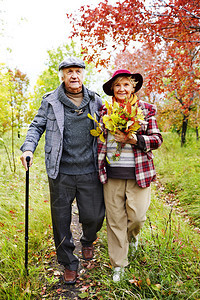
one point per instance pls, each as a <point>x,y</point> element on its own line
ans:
<point>171,200</point>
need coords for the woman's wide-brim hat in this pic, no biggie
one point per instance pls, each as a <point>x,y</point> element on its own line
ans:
<point>107,87</point>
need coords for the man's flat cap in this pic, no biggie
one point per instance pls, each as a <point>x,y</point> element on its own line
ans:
<point>72,62</point>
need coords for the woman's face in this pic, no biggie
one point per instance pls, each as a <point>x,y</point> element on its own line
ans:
<point>122,89</point>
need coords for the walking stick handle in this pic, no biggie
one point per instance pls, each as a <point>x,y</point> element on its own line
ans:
<point>28,160</point>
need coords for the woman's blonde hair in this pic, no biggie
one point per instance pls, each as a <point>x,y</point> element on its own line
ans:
<point>131,79</point>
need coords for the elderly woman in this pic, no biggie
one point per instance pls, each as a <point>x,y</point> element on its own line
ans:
<point>127,180</point>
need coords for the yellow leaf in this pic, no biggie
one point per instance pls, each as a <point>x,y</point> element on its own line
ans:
<point>106,105</point>
<point>135,127</point>
<point>106,118</point>
<point>109,126</point>
<point>129,123</point>
<point>93,118</point>
<point>108,123</point>
<point>94,132</point>
<point>98,130</point>
<point>102,139</point>
<point>115,105</point>
<point>109,111</point>
<point>90,117</point>
<point>107,160</point>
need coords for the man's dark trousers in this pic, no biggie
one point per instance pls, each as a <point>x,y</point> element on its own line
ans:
<point>88,192</point>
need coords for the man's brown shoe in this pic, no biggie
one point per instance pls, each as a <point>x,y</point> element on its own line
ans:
<point>88,252</point>
<point>70,276</point>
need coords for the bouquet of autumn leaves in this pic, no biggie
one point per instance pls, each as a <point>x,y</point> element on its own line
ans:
<point>120,116</point>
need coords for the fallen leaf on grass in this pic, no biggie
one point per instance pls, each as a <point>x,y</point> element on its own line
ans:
<point>84,288</point>
<point>56,273</point>
<point>43,290</point>
<point>148,281</point>
<point>136,282</point>
<point>107,265</point>
<point>90,266</point>
<point>156,287</point>
<point>179,283</point>
<point>53,253</point>
<point>83,295</point>
<point>27,290</point>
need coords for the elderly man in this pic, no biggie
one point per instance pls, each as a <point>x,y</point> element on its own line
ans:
<point>71,162</point>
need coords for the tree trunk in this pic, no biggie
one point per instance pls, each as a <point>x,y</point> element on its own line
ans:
<point>184,129</point>
<point>197,133</point>
<point>13,142</point>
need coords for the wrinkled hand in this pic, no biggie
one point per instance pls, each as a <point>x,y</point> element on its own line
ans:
<point>120,137</point>
<point>133,139</point>
<point>23,159</point>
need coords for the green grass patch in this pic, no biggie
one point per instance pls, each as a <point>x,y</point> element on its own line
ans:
<point>13,281</point>
<point>166,264</point>
<point>179,168</point>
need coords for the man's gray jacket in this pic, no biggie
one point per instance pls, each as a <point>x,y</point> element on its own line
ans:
<point>50,117</point>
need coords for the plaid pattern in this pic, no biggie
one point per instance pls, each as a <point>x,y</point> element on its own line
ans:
<point>144,166</point>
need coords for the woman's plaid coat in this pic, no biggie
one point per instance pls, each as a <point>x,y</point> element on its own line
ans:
<point>144,167</point>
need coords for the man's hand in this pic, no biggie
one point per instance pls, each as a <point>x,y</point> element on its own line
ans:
<point>23,159</point>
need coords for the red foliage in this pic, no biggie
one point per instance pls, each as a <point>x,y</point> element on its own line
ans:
<point>106,27</point>
<point>169,56</point>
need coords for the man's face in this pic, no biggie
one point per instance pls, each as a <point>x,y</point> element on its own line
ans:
<point>73,79</point>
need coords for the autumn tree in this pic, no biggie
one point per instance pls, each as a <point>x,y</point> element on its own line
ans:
<point>18,86</point>
<point>170,79</point>
<point>13,103</point>
<point>107,27</point>
<point>143,60</point>
<point>169,29</point>
<point>4,104</point>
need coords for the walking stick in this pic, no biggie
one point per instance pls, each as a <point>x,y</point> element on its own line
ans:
<point>26,215</point>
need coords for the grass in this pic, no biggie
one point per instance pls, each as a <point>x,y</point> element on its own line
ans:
<point>166,265</point>
<point>13,281</point>
<point>179,169</point>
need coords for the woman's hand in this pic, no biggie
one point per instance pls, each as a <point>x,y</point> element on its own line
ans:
<point>133,139</point>
<point>122,138</point>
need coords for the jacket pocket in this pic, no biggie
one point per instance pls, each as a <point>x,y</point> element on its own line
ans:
<point>51,119</point>
<point>47,149</point>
